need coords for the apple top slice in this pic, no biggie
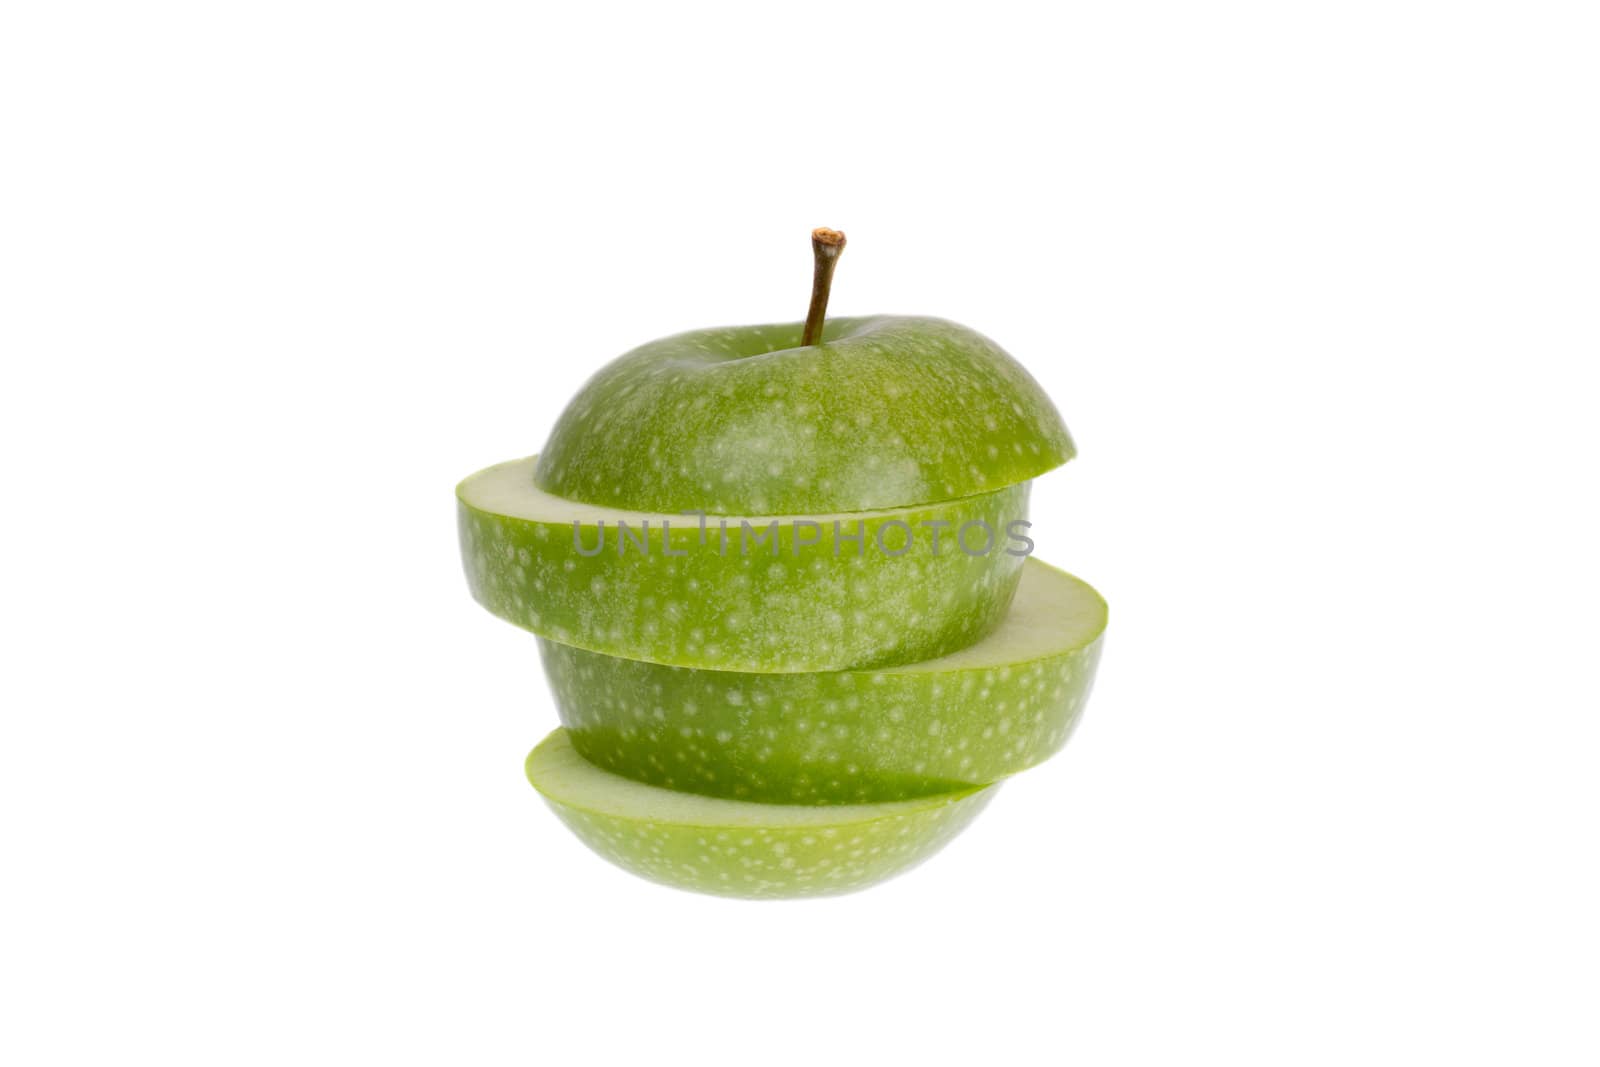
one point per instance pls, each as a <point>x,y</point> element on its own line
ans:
<point>889,411</point>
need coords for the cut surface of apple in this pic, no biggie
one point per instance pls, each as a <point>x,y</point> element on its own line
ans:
<point>738,848</point>
<point>779,594</point>
<point>997,707</point>
<point>886,412</point>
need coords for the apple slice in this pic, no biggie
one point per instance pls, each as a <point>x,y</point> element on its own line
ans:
<point>738,848</point>
<point>1000,706</point>
<point>885,412</point>
<point>780,594</point>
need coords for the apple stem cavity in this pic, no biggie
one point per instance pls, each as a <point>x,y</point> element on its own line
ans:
<point>826,245</point>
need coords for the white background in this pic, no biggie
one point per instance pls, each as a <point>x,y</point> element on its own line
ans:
<point>1313,284</point>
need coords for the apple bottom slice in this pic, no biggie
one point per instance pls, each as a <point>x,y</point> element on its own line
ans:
<point>737,848</point>
<point>1000,706</point>
<point>775,594</point>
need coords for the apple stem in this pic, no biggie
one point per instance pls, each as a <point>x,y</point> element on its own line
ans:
<point>825,247</point>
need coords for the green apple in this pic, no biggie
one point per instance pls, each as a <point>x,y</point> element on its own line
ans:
<point>777,594</point>
<point>738,848</point>
<point>886,412</point>
<point>770,569</point>
<point>1000,706</point>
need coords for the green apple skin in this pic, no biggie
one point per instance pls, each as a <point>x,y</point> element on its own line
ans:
<point>798,607</point>
<point>887,412</point>
<point>740,849</point>
<point>998,707</point>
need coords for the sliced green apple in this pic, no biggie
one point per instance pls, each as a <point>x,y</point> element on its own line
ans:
<point>1000,706</point>
<point>742,849</point>
<point>886,412</point>
<point>778,594</point>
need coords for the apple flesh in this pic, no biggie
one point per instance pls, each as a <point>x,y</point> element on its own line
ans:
<point>971,717</point>
<point>887,412</point>
<point>742,849</point>
<point>873,591</point>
